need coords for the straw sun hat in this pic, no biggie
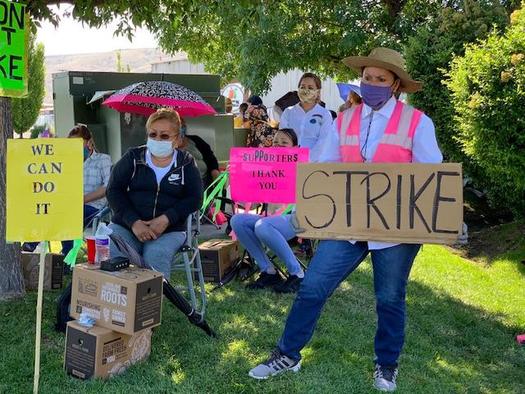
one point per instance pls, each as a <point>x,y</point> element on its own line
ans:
<point>388,59</point>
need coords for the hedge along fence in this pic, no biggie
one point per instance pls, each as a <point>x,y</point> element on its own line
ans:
<point>488,90</point>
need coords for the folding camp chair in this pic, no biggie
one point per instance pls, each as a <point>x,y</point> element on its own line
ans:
<point>245,267</point>
<point>216,200</point>
<point>191,265</point>
<point>210,194</point>
<point>188,260</point>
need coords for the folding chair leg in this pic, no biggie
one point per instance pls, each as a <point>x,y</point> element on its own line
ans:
<point>303,266</point>
<point>206,218</point>
<point>189,278</point>
<point>277,267</point>
<point>200,275</point>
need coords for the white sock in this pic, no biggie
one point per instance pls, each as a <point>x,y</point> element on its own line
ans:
<point>271,270</point>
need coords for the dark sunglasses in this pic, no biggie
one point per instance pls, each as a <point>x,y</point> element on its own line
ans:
<point>162,135</point>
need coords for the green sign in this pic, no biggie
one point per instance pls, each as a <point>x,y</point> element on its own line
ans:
<point>13,49</point>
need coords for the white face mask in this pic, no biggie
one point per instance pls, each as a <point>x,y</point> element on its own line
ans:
<point>160,148</point>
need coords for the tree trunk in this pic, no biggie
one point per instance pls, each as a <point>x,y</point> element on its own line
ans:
<point>11,280</point>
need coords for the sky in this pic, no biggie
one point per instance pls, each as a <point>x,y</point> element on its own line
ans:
<point>72,37</point>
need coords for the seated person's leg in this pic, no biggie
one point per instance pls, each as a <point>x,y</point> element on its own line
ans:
<point>243,224</point>
<point>126,235</point>
<point>29,246</point>
<point>66,247</point>
<point>274,232</point>
<point>89,214</point>
<point>159,253</point>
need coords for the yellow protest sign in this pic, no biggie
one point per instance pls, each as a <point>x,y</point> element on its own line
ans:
<point>44,189</point>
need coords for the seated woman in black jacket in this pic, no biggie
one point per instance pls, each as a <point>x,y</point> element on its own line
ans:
<point>152,190</point>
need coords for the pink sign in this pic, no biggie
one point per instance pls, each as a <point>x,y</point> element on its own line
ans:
<point>265,174</point>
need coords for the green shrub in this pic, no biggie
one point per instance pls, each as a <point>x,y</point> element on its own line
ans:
<point>36,130</point>
<point>488,93</point>
<point>428,55</point>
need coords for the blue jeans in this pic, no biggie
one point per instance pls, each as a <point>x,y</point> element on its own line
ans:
<point>255,232</point>
<point>157,253</point>
<point>332,263</point>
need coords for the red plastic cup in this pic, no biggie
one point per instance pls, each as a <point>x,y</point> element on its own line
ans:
<point>90,249</point>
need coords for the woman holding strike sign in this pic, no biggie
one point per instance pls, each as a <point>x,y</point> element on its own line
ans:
<point>381,130</point>
<point>255,232</point>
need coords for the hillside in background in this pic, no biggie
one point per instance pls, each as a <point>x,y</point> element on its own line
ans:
<point>139,60</point>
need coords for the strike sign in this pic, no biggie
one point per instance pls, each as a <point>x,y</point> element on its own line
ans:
<point>13,49</point>
<point>44,189</point>
<point>407,203</point>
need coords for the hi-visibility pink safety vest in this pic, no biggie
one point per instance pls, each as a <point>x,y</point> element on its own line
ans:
<point>396,144</point>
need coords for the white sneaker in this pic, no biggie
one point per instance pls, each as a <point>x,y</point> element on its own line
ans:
<point>276,364</point>
<point>385,378</point>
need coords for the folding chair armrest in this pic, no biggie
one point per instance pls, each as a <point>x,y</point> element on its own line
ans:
<point>95,219</point>
<point>194,216</point>
<point>104,211</point>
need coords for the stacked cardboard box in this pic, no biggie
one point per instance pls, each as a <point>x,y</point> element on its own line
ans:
<point>98,352</point>
<point>125,305</point>
<point>217,257</point>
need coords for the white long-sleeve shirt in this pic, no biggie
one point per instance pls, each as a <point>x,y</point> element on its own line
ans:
<point>314,130</point>
<point>425,148</point>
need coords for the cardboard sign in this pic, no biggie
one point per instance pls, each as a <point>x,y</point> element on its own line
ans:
<point>13,49</point>
<point>265,174</point>
<point>405,203</point>
<point>125,301</point>
<point>44,189</point>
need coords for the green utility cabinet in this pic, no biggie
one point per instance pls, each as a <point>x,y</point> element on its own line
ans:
<point>78,95</point>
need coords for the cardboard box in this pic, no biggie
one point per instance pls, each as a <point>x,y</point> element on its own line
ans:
<point>218,257</point>
<point>53,272</point>
<point>125,301</point>
<point>98,352</point>
<point>386,202</point>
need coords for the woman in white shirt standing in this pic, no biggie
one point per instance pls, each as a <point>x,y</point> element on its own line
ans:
<point>311,122</point>
<point>380,130</point>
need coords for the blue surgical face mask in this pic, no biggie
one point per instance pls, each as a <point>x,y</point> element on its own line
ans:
<point>183,131</point>
<point>86,153</point>
<point>160,148</point>
<point>375,96</point>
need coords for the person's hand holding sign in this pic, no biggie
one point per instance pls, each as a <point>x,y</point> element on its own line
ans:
<point>158,225</point>
<point>142,231</point>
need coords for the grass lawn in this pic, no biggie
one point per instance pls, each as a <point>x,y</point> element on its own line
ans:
<point>463,318</point>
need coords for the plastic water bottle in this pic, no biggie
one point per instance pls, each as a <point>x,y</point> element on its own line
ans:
<point>102,243</point>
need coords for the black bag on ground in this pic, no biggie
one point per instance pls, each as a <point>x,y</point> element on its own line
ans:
<point>63,306</point>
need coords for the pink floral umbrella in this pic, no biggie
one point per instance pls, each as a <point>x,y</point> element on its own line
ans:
<point>146,97</point>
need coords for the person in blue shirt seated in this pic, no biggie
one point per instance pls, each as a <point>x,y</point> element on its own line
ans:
<point>97,168</point>
<point>256,232</point>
